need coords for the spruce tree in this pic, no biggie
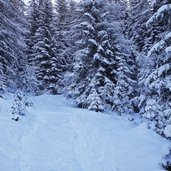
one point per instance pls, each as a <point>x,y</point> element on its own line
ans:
<point>125,91</point>
<point>42,48</point>
<point>157,105</point>
<point>70,37</point>
<point>95,59</point>
<point>33,19</point>
<point>158,81</point>
<point>136,15</point>
<point>62,37</point>
<point>12,44</point>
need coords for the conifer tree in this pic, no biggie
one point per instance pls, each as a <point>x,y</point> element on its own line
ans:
<point>125,91</point>
<point>158,81</point>
<point>70,47</point>
<point>63,20</point>
<point>42,48</point>
<point>95,59</point>
<point>12,44</point>
<point>137,14</point>
<point>33,19</point>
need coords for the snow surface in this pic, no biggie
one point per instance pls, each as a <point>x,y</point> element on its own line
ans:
<point>56,136</point>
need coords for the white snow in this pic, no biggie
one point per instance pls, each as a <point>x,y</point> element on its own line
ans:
<point>87,25</point>
<point>93,41</point>
<point>168,50</point>
<point>153,77</point>
<point>90,16</point>
<point>167,131</point>
<point>162,69</point>
<point>161,45</point>
<point>159,14</point>
<point>97,56</point>
<point>56,136</point>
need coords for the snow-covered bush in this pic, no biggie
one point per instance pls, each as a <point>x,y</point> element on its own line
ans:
<point>167,131</point>
<point>20,104</point>
<point>167,158</point>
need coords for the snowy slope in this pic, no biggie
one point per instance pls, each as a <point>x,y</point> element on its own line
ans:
<point>55,136</point>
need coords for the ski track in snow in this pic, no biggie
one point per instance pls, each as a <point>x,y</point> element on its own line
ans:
<point>55,136</point>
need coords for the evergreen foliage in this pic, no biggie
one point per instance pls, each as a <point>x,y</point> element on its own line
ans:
<point>42,50</point>
<point>95,59</point>
<point>125,91</point>
<point>158,81</point>
<point>105,54</point>
<point>12,45</point>
<point>20,103</point>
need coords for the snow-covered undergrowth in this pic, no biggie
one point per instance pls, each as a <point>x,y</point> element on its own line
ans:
<point>56,136</point>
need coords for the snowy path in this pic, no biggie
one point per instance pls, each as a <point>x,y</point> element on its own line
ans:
<point>63,138</point>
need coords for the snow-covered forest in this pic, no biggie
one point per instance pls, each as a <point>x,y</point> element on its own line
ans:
<point>107,56</point>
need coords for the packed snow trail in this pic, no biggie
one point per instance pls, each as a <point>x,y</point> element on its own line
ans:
<point>56,136</point>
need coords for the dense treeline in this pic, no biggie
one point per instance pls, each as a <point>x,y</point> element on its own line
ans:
<point>105,54</point>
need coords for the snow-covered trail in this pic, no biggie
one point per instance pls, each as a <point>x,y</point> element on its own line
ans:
<point>60,137</point>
